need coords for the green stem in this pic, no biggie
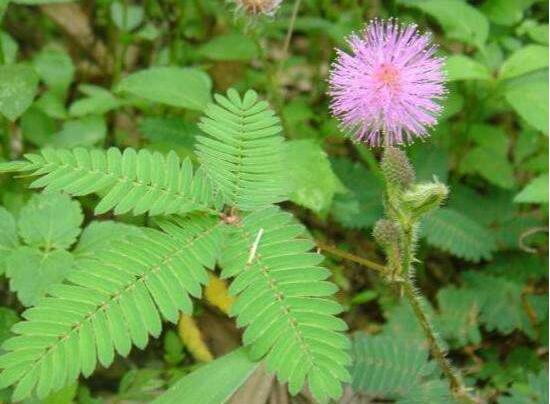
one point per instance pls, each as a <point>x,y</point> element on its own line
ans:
<point>288,36</point>
<point>2,56</point>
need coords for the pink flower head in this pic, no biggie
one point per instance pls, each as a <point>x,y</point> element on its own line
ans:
<point>387,90</point>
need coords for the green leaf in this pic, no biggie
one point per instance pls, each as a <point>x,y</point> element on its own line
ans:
<point>285,302</point>
<point>55,68</point>
<point>499,301</point>
<point>461,236</point>
<point>98,101</point>
<point>86,131</point>
<point>504,12</point>
<point>37,127</point>
<point>98,237</point>
<point>461,67</point>
<point>169,133</point>
<point>312,182</point>
<point>227,374</point>
<point>18,85</point>
<point>459,20</point>
<point>126,16</point>
<point>50,220</point>
<point>8,236</point>
<point>31,272</point>
<point>490,157</point>
<point>175,86</point>
<point>524,60</point>
<point>534,391</point>
<point>230,47</point>
<point>394,368</point>
<point>539,33</point>
<point>361,205</point>
<point>458,316</point>
<point>242,151</point>
<point>9,46</point>
<point>530,100</point>
<point>534,192</point>
<point>8,318</point>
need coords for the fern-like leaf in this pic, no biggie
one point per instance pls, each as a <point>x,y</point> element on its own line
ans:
<point>458,234</point>
<point>130,181</point>
<point>395,368</point>
<point>283,300</point>
<point>242,153</point>
<point>109,304</point>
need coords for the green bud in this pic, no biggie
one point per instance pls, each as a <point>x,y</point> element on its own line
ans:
<point>423,198</point>
<point>386,233</point>
<point>397,168</point>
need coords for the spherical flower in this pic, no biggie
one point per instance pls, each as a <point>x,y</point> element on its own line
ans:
<point>257,7</point>
<point>387,90</point>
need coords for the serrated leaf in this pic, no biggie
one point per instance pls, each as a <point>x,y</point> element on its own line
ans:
<point>18,85</point>
<point>31,272</point>
<point>459,235</point>
<point>175,86</point>
<point>50,220</point>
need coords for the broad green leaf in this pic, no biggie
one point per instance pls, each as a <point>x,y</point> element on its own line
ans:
<point>312,183</point>
<point>361,205</point>
<point>85,131</point>
<point>55,68</point>
<point>213,383</point>
<point>525,60</point>
<point>529,98</point>
<point>18,84</point>
<point>504,12</point>
<point>8,236</point>
<point>532,391</point>
<point>50,220</point>
<point>461,67</point>
<point>490,157</point>
<point>32,271</point>
<point>9,47</point>
<point>126,16</point>
<point>458,234</point>
<point>459,20</point>
<point>98,101</point>
<point>539,33</point>
<point>428,161</point>
<point>52,105</point>
<point>169,133</point>
<point>534,192</point>
<point>230,47</point>
<point>175,86</point>
<point>140,385</point>
<point>37,127</point>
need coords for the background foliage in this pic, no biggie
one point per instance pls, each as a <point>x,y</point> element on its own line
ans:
<point>95,74</point>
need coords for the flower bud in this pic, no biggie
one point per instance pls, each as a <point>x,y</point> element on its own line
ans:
<point>397,169</point>
<point>423,198</point>
<point>386,233</point>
